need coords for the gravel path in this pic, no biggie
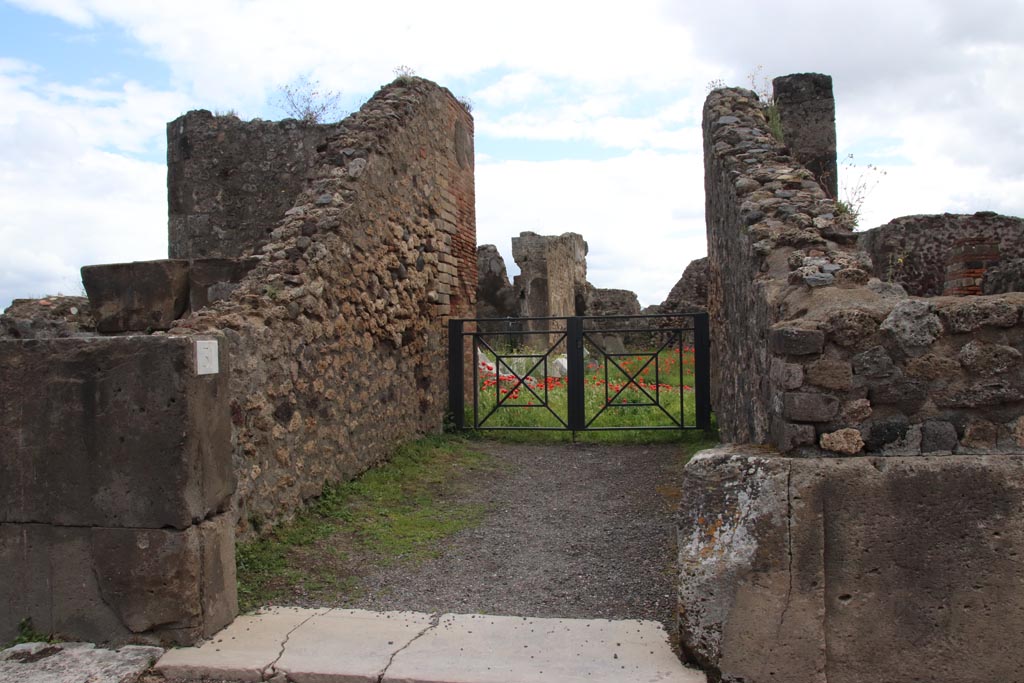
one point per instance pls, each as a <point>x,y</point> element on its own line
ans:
<point>580,531</point>
<point>573,530</point>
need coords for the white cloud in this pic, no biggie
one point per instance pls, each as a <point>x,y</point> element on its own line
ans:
<point>928,92</point>
<point>64,201</point>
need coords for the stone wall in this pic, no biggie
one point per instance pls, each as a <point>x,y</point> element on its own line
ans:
<point>230,181</point>
<point>337,335</point>
<point>914,251</point>
<point>495,295</point>
<point>47,318</point>
<point>690,293</point>
<point>860,567</point>
<point>552,276</point>
<point>115,479</point>
<point>837,363</point>
<point>807,117</point>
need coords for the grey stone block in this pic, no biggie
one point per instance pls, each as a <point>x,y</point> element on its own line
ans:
<point>870,568</point>
<point>875,362</point>
<point>116,432</point>
<point>938,436</point>
<point>796,341</point>
<point>786,436</point>
<point>907,394</point>
<point>219,590</point>
<point>150,578</point>
<point>108,585</point>
<point>138,296</point>
<point>809,407</point>
<point>213,279</point>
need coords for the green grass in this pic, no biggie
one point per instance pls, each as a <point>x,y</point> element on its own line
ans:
<point>614,390</point>
<point>396,511</point>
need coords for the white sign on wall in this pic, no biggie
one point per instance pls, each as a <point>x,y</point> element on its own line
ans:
<point>207,357</point>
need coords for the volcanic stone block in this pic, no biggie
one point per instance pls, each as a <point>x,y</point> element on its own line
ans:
<point>138,296</point>
<point>808,407</point>
<point>869,568</point>
<point>988,359</point>
<point>846,441</point>
<point>874,362</point>
<point>938,436</point>
<point>213,279</point>
<point>219,591</point>
<point>114,431</point>
<point>115,585</point>
<point>796,341</point>
<point>883,432</point>
<point>907,394</point>
<point>912,325</point>
<point>831,374</point>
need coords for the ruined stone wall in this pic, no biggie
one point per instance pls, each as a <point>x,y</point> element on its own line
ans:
<point>807,117</point>
<point>834,362</point>
<point>553,273</point>
<point>495,295</point>
<point>914,251</point>
<point>47,318</point>
<point>337,336</point>
<point>690,293</point>
<point>230,181</point>
<point>821,567</point>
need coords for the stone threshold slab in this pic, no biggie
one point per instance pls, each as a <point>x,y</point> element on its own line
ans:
<point>353,646</point>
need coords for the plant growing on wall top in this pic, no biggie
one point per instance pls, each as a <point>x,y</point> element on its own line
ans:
<point>856,183</point>
<point>766,94</point>
<point>306,100</point>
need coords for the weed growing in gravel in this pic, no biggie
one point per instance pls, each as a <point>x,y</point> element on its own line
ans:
<point>396,511</point>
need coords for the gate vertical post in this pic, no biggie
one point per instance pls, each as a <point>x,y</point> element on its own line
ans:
<point>574,351</point>
<point>456,372</point>
<point>702,370</point>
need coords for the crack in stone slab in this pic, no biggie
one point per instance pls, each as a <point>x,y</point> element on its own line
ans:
<point>435,619</point>
<point>269,670</point>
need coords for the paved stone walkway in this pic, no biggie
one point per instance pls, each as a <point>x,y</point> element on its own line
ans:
<point>338,645</point>
<point>74,663</point>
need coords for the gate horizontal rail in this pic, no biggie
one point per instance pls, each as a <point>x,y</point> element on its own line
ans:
<point>522,365</point>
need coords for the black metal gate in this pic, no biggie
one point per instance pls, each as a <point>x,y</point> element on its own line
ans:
<point>582,373</point>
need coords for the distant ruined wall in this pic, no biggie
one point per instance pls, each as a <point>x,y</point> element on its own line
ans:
<point>916,251</point>
<point>553,273</point>
<point>612,302</point>
<point>690,293</point>
<point>337,335</point>
<point>495,295</point>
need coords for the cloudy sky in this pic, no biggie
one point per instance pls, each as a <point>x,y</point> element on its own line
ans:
<point>587,112</point>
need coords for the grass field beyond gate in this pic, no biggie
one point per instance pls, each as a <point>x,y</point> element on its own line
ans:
<point>634,390</point>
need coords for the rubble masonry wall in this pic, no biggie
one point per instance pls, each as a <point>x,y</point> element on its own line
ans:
<point>812,355</point>
<point>337,337</point>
